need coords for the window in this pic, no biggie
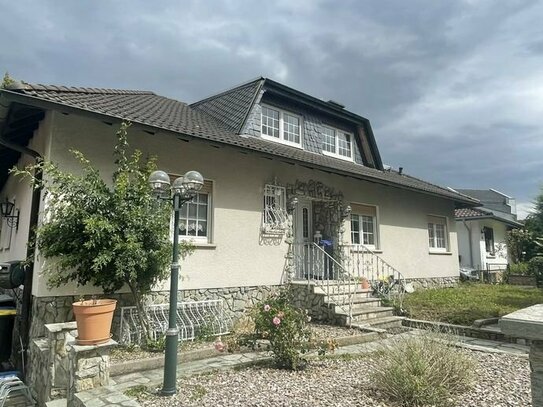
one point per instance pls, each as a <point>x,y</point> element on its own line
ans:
<point>489,240</point>
<point>274,216</point>
<point>437,233</point>
<point>195,216</point>
<point>337,143</point>
<point>281,126</point>
<point>364,225</point>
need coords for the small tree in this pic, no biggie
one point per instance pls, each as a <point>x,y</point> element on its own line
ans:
<point>105,235</point>
<point>519,243</point>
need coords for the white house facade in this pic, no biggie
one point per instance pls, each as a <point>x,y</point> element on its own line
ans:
<point>288,177</point>
<point>482,230</point>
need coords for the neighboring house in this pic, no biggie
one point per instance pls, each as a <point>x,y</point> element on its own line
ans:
<point>283,169</point>
<point>482,230</point>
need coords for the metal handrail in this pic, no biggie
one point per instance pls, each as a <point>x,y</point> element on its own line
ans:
<point>383,278</point>
<point>314,264</point>
<point>352,265</point>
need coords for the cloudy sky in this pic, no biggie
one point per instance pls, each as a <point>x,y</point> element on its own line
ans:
<point>453,89</point>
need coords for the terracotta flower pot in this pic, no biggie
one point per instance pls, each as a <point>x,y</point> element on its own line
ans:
<point>93,318</point>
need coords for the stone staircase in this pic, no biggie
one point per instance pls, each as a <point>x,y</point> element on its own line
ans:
<point>330,304</point>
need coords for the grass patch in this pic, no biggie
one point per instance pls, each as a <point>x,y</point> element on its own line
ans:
<point>469,301</point>
<point>197,392</point>
<point>137,392</point>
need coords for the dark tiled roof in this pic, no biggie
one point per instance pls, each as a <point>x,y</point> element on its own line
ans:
<point>137,106</point>
<point>232,106</point>
<point>470,213</point>
<point>159,112</point>
<point>480,213</point>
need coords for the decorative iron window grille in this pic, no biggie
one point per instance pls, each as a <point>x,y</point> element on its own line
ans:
<point>274,216</point>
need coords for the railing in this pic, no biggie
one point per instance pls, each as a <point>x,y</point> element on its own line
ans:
<point>340,272</point>
<point>316,265</point>
<point>362,263</point>
<point>194,318</point>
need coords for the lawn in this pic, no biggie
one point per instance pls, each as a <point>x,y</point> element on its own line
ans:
<point>467,302</point>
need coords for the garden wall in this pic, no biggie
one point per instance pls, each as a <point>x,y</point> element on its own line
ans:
<point>49,310</point>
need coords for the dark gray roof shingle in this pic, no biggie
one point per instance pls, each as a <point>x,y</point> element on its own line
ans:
<point>232,106</point>
<point>163,113</point>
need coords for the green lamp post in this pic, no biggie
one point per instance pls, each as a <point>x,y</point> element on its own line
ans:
<point>182,190</point>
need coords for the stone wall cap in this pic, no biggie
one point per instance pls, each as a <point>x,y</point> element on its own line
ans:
<point>84,348</point>
<point>61,326</point>
<point>524,323</point>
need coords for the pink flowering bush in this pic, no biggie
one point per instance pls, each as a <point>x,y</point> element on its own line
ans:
<point>285,326</point>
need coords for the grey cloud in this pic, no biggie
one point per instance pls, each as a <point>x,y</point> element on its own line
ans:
<point>441,82</point>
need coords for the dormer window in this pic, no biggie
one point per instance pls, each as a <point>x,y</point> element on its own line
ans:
<point>278,125</point>
<point>337,143</point>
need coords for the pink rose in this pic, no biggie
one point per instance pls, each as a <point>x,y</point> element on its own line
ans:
<point>267,307</point>
<point>219,345</point>
<point>276,321</point>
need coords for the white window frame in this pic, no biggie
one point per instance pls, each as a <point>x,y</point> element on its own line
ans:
<point>371,211</point>
<point>432,222</point>
<point>336,153</point>
<point>281,138</point>
<point>199,240</point>
<point>491,253</point>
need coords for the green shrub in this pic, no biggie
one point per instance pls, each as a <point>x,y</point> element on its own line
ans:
<point>535,268</point>
<point>518,268</point>
<point>515,268</point>
<point>285,326</point>
<point>423,370</point>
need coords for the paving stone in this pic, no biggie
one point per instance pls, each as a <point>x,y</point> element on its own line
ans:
<point>95,403</point>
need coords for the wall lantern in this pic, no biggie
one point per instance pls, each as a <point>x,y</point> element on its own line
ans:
<point>291,204</point>
<point>346,212</point>
<point>6,209</point>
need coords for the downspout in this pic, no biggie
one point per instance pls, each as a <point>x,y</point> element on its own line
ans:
<point>470,241</point>
<point>26,306</point>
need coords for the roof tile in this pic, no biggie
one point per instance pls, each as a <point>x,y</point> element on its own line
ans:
<point>206,120</point>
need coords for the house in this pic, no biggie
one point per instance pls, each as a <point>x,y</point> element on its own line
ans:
<point>295,190</point>
<point>482,230</point>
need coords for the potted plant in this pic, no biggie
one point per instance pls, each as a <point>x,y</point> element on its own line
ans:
<point>109,235</point>
<point>93,318</point>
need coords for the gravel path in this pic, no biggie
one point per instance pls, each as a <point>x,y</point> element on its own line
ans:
<point>503,380</point>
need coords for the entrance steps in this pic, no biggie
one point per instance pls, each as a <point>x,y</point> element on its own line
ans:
<point>347,304</point>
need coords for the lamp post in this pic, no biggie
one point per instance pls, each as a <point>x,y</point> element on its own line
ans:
<point>183,190</point>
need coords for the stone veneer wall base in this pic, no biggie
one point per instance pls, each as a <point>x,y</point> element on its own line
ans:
<point>51,310</point>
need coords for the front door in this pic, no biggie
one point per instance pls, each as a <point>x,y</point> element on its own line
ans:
<point>303,237</point>
<point>303,226</point>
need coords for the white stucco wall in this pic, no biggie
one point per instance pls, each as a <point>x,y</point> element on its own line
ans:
<point>19,191</point>
<point>236,256</point>
<point>481,259</point>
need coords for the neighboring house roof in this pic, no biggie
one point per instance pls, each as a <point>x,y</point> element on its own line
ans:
<point>491,199</point>
<point>480,213</point>
<point>469,213</point>
<point>158,112</point>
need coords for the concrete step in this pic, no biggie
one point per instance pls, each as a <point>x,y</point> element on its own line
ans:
<point>357,302</point>
<point>342,290</point>
<point>365,313</point>
<point>382,323</point>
